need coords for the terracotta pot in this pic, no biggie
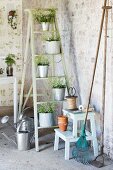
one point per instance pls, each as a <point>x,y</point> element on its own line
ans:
<point>62,123</point>
<point>71,100</point>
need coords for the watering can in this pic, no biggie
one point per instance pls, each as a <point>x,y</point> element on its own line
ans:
<point>25,132</point>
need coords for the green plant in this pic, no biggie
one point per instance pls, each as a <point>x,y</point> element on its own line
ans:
<point>54,36</point>
<point>9,60</point>
<point>46,108</point>
<point>57,83</point>
<point>46,15</point>
<point>41,60</point>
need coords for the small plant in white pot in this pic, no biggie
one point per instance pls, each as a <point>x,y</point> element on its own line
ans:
<point>45,17</point>
<point>42,65</point>
<point>58,88</point>
<point>52,44</point>
<point>46,111</point>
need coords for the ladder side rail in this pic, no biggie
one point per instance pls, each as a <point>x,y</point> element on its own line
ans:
<point>34,83</point>
<point>63,60</point>
<point>28,96</point>
<point>24,66</point>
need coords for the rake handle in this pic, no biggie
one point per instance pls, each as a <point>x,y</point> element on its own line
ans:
<point>96,58</point>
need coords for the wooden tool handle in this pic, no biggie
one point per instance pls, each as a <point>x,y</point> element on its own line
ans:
<point>96,58</point>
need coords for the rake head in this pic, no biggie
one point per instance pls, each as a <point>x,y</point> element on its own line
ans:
<point>81,151</point>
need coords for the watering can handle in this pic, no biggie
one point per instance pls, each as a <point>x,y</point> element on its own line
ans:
<point>18,128</point>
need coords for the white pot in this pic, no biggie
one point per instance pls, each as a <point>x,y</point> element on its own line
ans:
<point>43,71</point>
<point>53,47</point>
<point>58,94</point>
<point>46,119</point>
<point>45,26</point>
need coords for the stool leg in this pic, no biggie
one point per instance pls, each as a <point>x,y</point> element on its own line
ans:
<point>93,131</point>
<point>56,143</point>
<point>67,149</point>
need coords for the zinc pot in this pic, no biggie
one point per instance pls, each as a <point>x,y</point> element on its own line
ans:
<point>43,71</point>
<point>52,47</point>
<point>9,70</point>
<point>71,100</point>
<point>45,26</point>
<point>58,94</point>
<point>62,123</point>
<point>46,119</point>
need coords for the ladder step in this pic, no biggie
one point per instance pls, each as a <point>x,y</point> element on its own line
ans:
<point>42,32</point>
<point>51,54</point>
<point>31,95</point>
<point>48,127</point>
<point>52,101</point>
<point>46,78</point>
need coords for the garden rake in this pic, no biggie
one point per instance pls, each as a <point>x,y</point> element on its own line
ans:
<point>81,151</point>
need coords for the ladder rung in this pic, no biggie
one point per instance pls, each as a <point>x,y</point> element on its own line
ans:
<point>44,78</point>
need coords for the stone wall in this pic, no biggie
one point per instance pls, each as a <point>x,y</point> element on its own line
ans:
<point>10,42</point>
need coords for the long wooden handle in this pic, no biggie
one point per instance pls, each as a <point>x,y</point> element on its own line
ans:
<point>96,58</point>
<point>104,82</point>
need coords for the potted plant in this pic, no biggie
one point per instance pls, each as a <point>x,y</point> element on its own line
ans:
<point>10,60</point>
<point>58,88</point>
<point>46,111</point>
<point>12,19</point>
<point>45,17</point>
<point>43,64</point>
<point>52,44</point>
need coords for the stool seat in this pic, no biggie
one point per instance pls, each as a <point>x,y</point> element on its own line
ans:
<point>72,136</point>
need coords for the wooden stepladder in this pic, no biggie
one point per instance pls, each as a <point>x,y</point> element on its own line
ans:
<point>30,43</point>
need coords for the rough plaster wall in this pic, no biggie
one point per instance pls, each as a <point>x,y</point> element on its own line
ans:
<point>85,17</point>
<point>10,42</point>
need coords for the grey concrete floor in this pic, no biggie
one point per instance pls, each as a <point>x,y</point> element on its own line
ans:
<point>46,159</point>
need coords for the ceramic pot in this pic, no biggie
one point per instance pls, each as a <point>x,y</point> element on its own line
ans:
<point>58,94</point>
<point>71,100</point>
<point>9,70</point>
<point>46,119</point>
<point>62,122</point>
<point>45,26</point>
<point>52,47</point>
<point>43,71</point>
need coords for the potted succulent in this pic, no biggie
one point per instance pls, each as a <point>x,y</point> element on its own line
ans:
<point>45,17</point>
<point>58,88</point>
<point>10,60</point>
<point>46,111</point>
<point>52,43</point>
<point>43,64</point>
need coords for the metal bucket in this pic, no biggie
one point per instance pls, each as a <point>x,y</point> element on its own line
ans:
<point>23,140</point>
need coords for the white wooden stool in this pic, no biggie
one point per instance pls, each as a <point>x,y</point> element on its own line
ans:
<point>69,136</point>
